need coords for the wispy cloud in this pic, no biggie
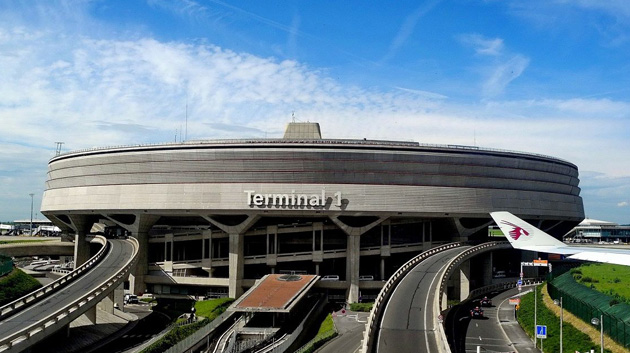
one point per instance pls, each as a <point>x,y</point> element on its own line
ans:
<point>498,67</point>
<point>407,28</point>
<point>622,204</point>
<point>483,45</point>
<point>504,73</point>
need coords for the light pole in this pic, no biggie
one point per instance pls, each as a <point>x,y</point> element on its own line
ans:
<point>30,231</point>
<point>559,302</point>
<point>595,321</point>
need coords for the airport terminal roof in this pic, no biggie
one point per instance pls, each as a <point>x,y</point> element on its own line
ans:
<point>275,293</point>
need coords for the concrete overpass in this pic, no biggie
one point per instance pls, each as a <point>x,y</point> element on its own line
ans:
<point>36,316</point>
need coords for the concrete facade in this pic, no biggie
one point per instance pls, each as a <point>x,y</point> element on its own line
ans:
<point>232,211</point>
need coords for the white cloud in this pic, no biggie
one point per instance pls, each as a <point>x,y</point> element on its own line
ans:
<point>504,73</point>
<point>622,204</point>
<point>483,45</point>
<point>96,92</point>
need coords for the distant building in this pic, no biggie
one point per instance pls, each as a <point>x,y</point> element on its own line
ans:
<point>593,231</point>
<point>41,227</point>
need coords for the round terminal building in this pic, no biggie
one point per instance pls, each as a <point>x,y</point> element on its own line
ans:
<point>213,216</point>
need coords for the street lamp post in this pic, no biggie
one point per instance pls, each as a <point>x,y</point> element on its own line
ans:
<point>559,302</point>
<point>30,231</point>
<point>595,321</point>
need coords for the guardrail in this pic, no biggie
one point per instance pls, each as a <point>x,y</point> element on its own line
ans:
<point>379,305</point>
<point>20,303</point>
<point>68,313</point>
<point>463,256</point>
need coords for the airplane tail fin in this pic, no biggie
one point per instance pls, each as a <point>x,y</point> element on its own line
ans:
<point>521,234</point>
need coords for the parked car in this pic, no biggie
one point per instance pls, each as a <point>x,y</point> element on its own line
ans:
<point>330,278</point>
<point>366,278</point>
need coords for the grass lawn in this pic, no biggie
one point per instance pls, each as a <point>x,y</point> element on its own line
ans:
<point>212,308</point>
<point>613,280</point>
<point>23,241</point>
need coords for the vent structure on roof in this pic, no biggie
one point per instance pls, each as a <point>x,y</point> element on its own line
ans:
<point>302,131</point>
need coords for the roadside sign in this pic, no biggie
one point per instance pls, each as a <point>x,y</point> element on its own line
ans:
<point>519,282</point>
<point>541,331</point>
<point>522,275</point>
<point>514,301</point>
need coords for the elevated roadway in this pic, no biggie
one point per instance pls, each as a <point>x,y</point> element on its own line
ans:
<point>36,246</point>
<point>40,318</point>
<point>409,320</point>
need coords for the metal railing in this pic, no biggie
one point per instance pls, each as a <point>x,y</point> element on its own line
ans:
<point>61,317</point>
<point>380,302</point>
<point>20,303</point>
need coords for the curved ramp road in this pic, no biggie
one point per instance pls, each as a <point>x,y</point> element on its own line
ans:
<point>120,253</point>
<point>409,320</point>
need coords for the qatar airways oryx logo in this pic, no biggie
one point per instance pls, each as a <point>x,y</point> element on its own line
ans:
<point>516,231</point>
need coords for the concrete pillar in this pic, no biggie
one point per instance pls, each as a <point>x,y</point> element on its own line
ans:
<point>237,265</point>
<point>464,280</point>
<point>81,249</point>
<point>90,314</point>
<point>382,269</point>
<point>353,256</point>
<point>82,226</point>
<point>140,230</point>
<point>487,269</point>
<point>136,280</point>
<point>107,304</point>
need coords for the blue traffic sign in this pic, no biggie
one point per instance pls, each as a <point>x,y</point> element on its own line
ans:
<point>541,331</point>
<point>520,282</point>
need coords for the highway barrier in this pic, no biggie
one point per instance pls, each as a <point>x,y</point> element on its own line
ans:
<point>454,264</point>
<point>371,332</point>
<point>37,331</point>
<point>35,296</point>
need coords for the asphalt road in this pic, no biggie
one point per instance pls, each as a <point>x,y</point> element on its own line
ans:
<point>350,327</point>
<point>119,253</point>
<point>409,323</point>
<point>499,331</point>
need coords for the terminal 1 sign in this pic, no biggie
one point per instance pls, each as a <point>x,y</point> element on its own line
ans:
<point>292,199</point>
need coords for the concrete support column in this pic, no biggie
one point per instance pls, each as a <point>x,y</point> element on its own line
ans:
<point>82,226</point>
<point>81,249</point>
<point>464,280</point>
<point>237,265</point>
<point>140,230</point>
<point>136,281</point>
<point>487,269</point>
<point>90,314</point>
<point>107,304</point>
<point>382,278</point>
<point>353,256</point>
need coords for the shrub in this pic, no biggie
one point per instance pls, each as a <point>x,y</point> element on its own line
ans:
<point>364,307</point>
<point>15,285</point>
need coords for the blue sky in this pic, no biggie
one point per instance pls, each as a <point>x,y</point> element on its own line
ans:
<point>542,76</point>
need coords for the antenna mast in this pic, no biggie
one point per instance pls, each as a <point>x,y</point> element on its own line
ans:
<point>186,133</point>
<point>58,149</point>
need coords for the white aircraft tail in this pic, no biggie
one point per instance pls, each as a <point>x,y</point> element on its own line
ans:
<point>521,234</point>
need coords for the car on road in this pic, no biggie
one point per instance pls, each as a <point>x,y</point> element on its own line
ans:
<point>130,299</point>
<point>476,313</point>
<point>485,301</point>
